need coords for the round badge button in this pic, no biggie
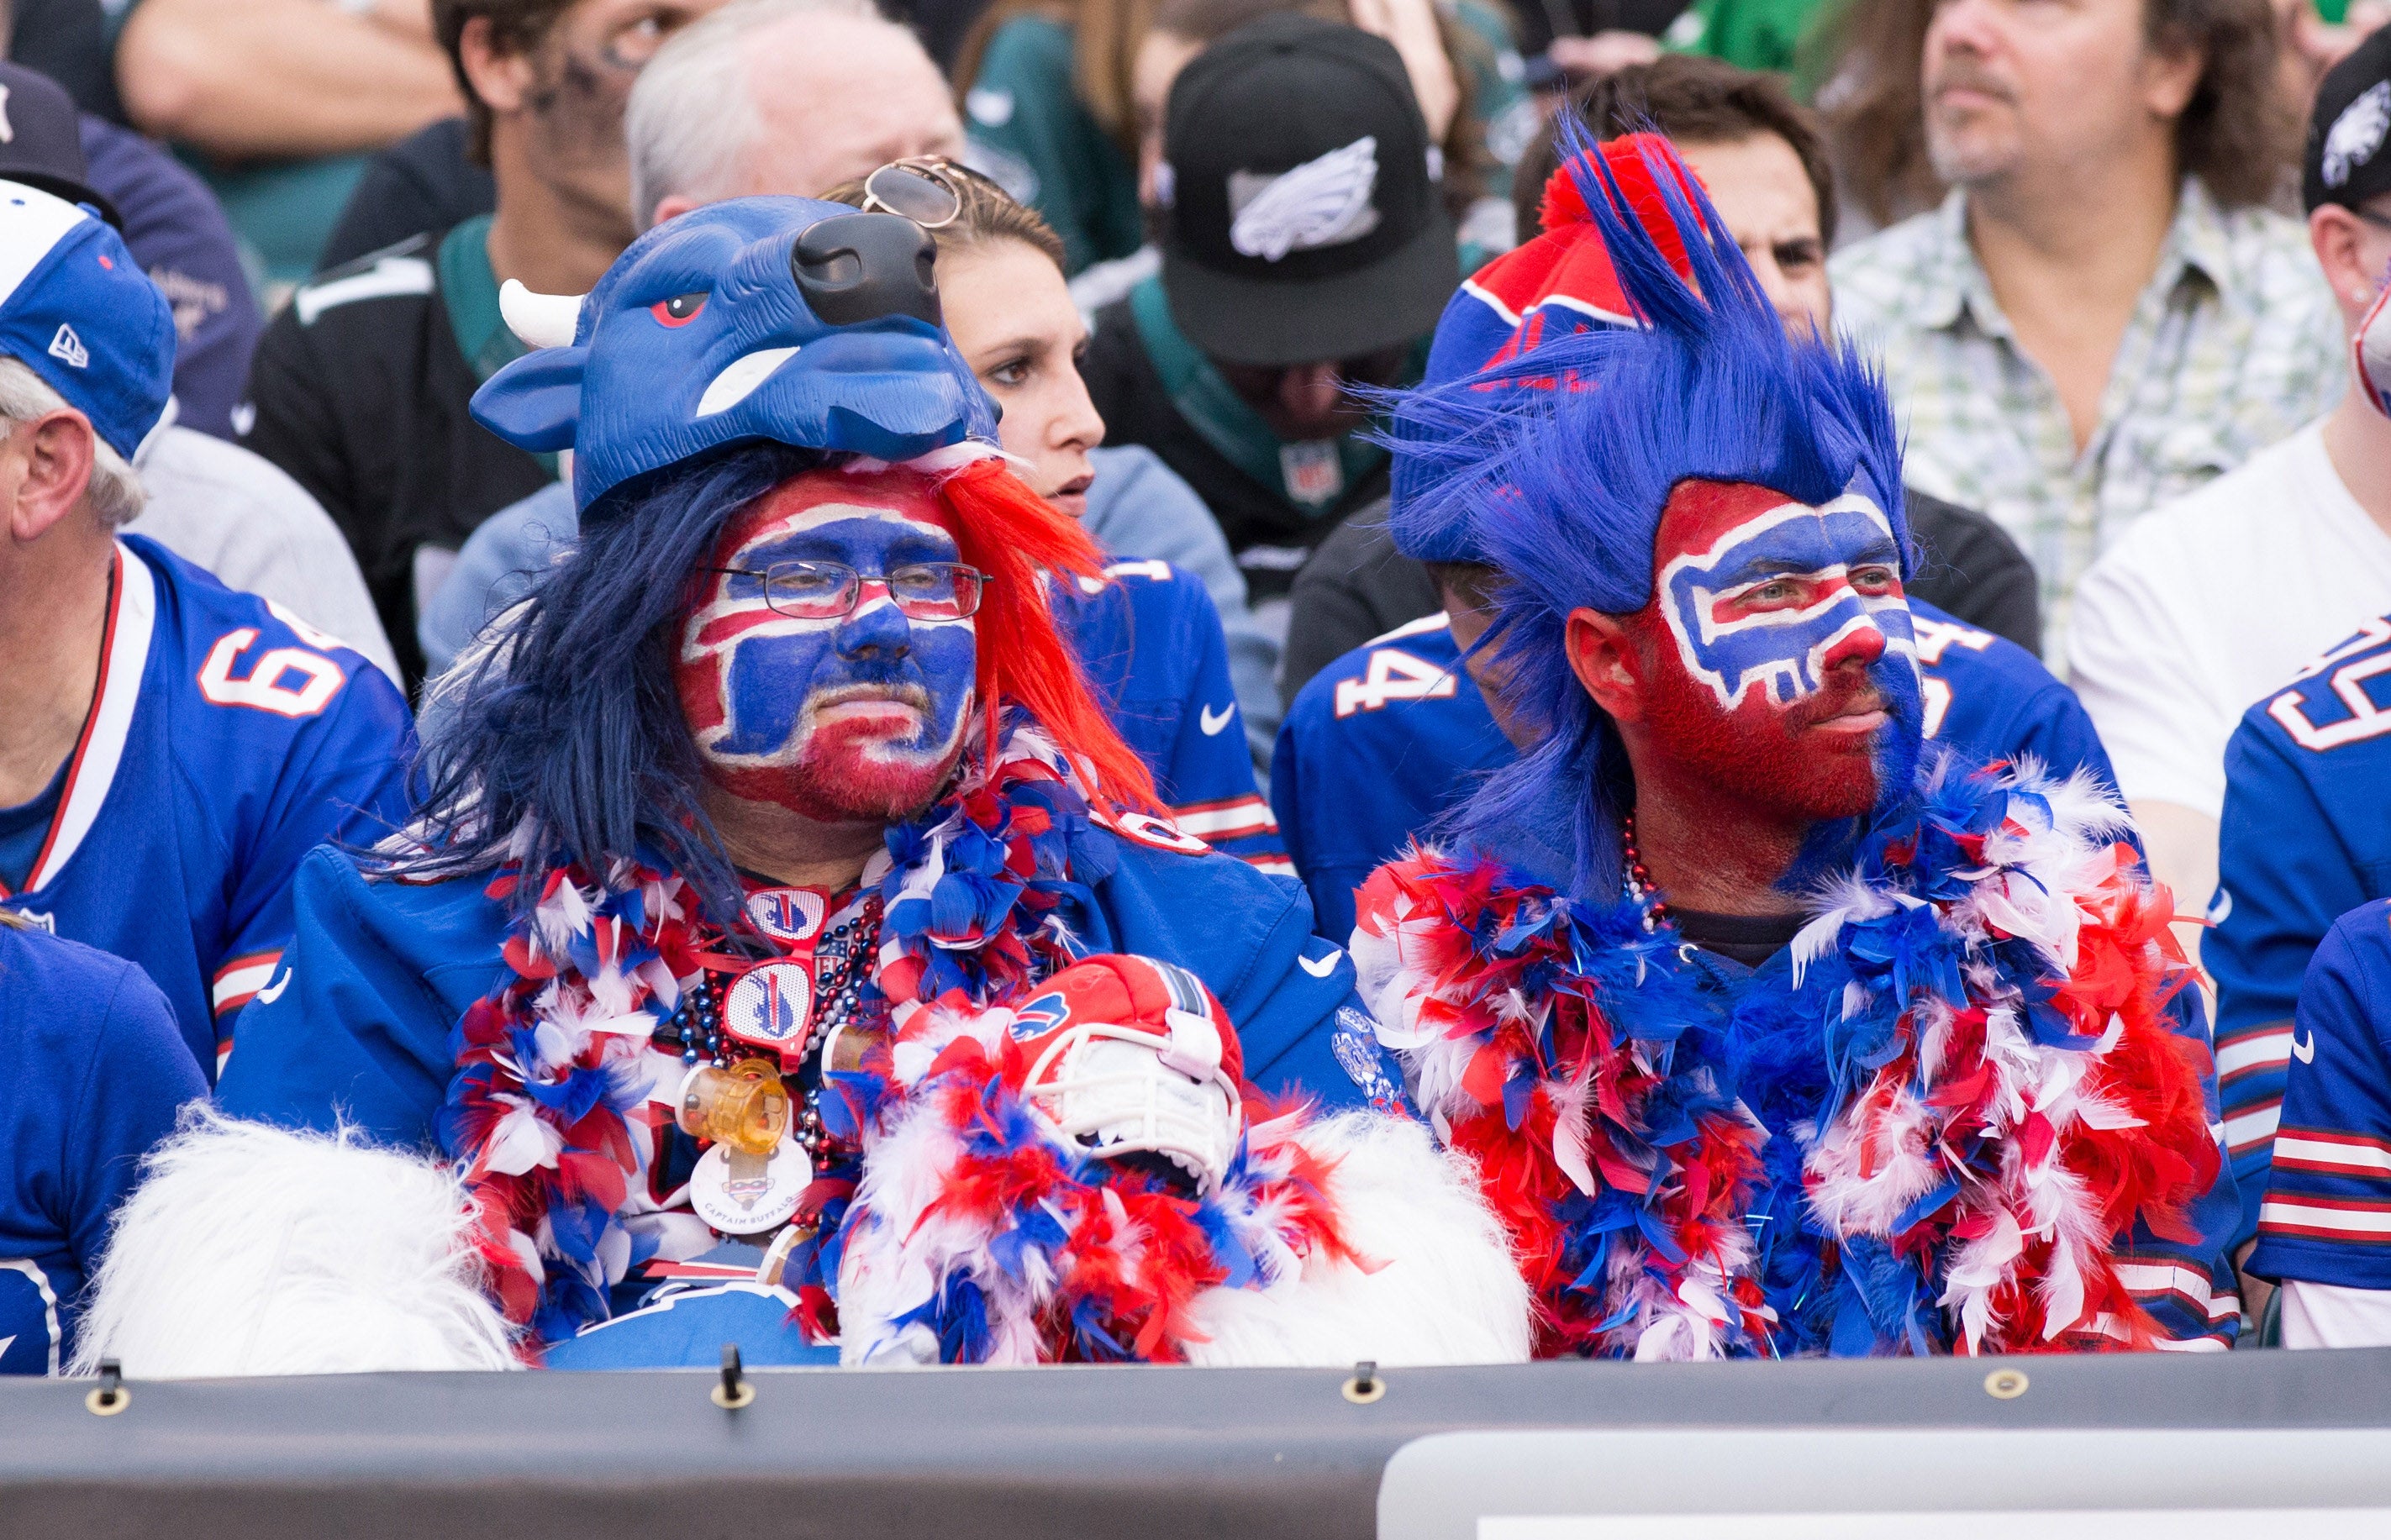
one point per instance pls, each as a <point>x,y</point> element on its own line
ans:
<point>770,1004</point>
<point>787,914</point>
<point>740,1194</point>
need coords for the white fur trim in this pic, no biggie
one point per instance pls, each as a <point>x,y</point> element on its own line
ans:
<point>254,1249</point>
<point>1447,1291</point>
<point>943,461</point>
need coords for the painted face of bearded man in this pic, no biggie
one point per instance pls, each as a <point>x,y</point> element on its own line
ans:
<point>827,664</point>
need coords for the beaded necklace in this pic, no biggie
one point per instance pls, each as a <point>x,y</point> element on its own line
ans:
<point>844,955</point>
<point>1635,883</point>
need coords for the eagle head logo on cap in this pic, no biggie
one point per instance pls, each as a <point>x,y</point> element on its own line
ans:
<point>1324,202</point>
<point>759,318</point>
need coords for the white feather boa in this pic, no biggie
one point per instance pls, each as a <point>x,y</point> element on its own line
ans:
<point>1435,1283</point>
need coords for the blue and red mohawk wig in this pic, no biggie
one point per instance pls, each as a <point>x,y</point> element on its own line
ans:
<point>1562,488</point>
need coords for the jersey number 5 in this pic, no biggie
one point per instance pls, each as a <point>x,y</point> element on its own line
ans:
<point>319,677</point>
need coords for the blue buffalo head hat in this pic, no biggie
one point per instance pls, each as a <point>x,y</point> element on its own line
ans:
<point>760,318</point>
<point>77,310</point>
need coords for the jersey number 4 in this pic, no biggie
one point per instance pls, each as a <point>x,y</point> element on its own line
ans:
<point>1394,675</point>
<point>315,678</point>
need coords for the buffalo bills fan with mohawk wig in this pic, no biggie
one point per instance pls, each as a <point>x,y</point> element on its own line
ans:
<point>1771,1029</point>
<point>1403,715</point>
<point>784,914</point>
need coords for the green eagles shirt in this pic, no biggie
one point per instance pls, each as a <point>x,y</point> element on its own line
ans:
<point>1754,35</point>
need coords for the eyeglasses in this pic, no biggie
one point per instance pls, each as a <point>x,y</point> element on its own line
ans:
<point>830,590</point>
<point>921,190</point>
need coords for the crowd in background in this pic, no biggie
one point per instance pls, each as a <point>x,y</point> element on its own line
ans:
<point>2112,253</point>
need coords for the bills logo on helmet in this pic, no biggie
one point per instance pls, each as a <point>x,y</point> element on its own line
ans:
<point>1039,1017</point>
<point>1129,1056</point>
<point>1782,650</point>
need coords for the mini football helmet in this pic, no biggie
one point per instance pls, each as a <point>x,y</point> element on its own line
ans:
<point>1129,1056</point>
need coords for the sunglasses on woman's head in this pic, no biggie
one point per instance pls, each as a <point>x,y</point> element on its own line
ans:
<point>921,190</point>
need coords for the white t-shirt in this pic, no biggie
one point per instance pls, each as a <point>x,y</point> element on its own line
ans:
<point>237,516</point>
<point>2209,603</point>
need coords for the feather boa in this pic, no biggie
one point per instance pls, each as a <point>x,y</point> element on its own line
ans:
<point>978,1237</point>
<point>1565,1050</point>
<point>1927,1137</point>
<point>546,1110</point>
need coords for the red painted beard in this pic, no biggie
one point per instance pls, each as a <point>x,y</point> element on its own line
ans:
<point>1778,759</point>
<point>843,778</point>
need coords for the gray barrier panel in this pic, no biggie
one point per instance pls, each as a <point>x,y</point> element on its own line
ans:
<point>1769,1484</point>
<point>1082,1453</point>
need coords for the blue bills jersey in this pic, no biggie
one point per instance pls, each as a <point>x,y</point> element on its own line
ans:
<point>381,971</point>
<point>1389,737</point>
<point>2304,838</point>
<point>227,738</point>
<point>2326,1216</point>
<point>1151,643</point>
<point>686,1330</point>
<point>92,1071</point>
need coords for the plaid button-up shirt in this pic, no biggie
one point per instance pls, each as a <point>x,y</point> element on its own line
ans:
<point>2235,342</point>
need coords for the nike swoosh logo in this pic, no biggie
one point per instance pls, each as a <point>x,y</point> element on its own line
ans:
<point>2303,1052</point>
<point>1320,967</point>
<point>6,1342</point>
<point>273,992</point>
<point>2219,908</point>
<point>1213,724</point>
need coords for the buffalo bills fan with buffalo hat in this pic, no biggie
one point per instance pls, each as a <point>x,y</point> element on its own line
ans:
<point>168,751</point>
<point>1304,249</point>
<point>784,878</point>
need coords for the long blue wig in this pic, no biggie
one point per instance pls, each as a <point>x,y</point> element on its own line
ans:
<point>1562,458</point>
<point>567,743</point>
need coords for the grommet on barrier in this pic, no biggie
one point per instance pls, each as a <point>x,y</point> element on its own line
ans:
<point>734,1391</point>
<point>2005,1385</point>
<point>109,1396</point>
<point>1366,1386</point>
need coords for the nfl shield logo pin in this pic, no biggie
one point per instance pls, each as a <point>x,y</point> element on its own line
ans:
<point>787,913</point>
<point>769,1005</point>
<point>1314,471</point>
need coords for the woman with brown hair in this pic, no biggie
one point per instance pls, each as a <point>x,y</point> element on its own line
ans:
<point>1168,642</point>
<point>1059,94</point>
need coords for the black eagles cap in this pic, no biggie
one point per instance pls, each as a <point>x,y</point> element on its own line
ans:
<point>1303,219</point>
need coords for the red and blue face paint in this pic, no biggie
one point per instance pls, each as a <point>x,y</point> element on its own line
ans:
<point>845,719</point>
<point>1782,660</point>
